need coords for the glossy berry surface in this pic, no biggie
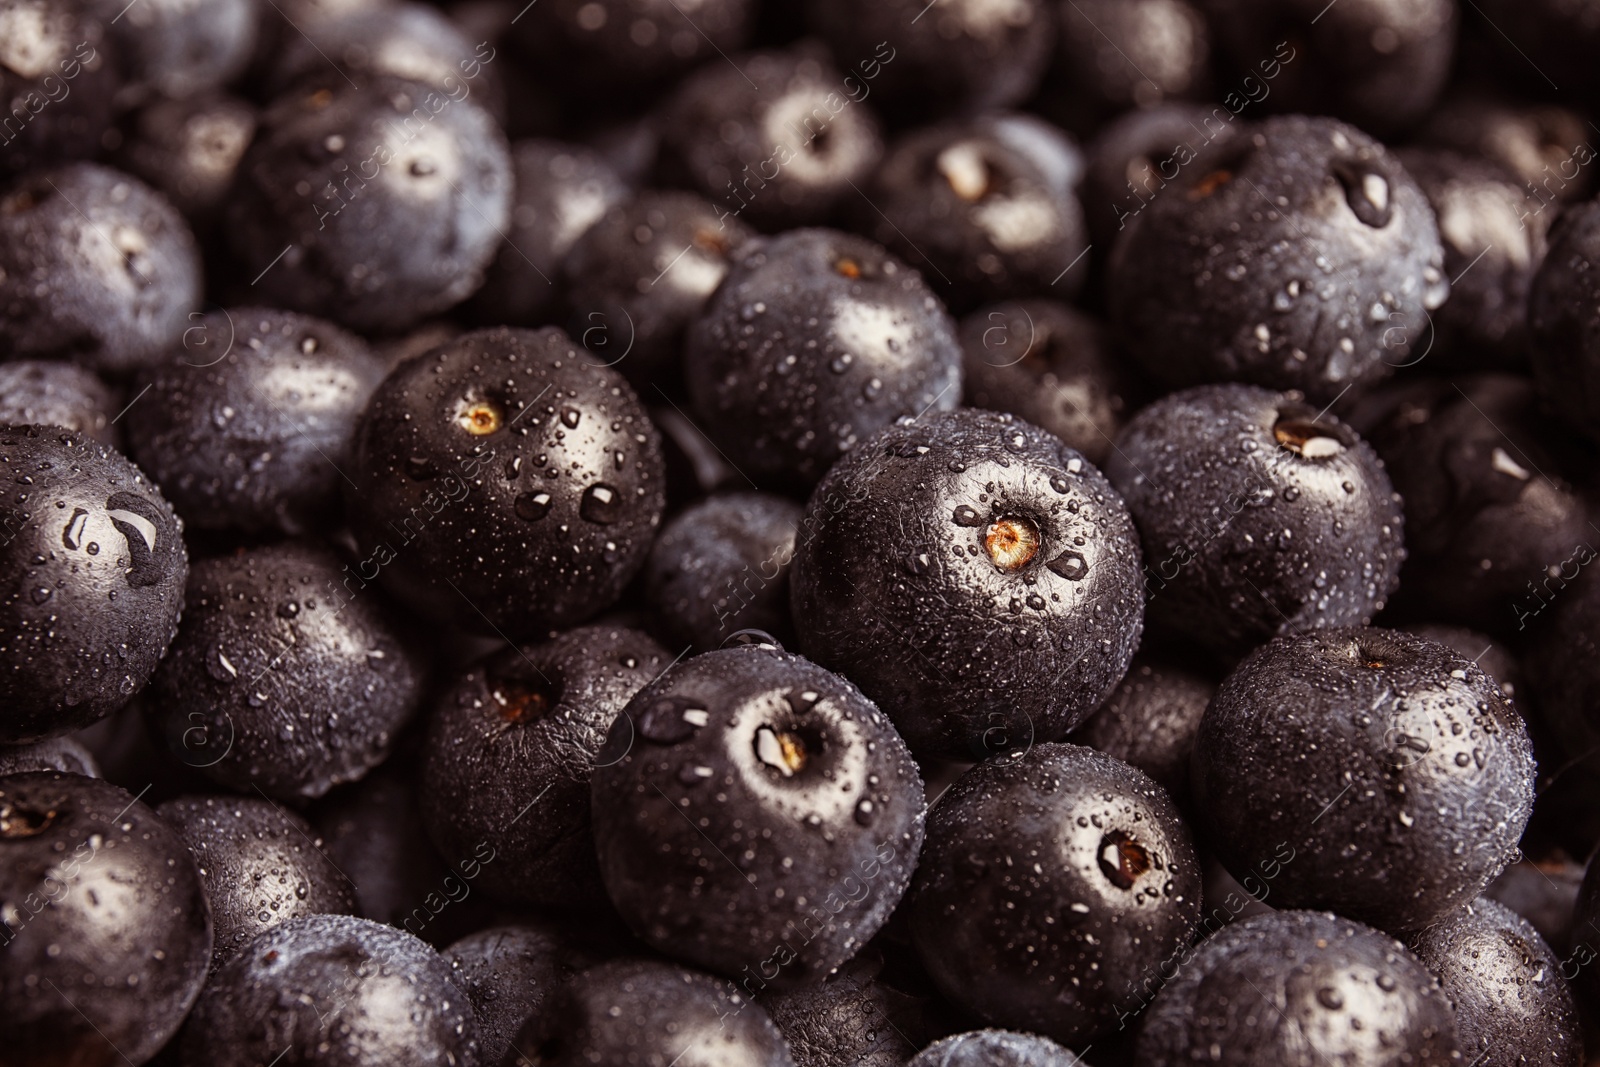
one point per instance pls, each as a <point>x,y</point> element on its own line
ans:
<point>510,752</point>
<point>94,266</point>
<point>1508,989</point>
<point>994,1048</point>
<point>645,1012</point>
<point>796,779</point>
<point>1391,768</point>
<point>1259,516</point>
<point>985,208</point>
<point>502,462</point>
<point>260,865</point>
<point>106,931</point>
<point>98,565</point>
<point>1300,987</point>
<point>333,991</point>
<point>952,561</point>
<point>509,973</point>
<point>815,341</point>
<point>284,678</point>
<point>1067,943</point>
<point>1304,257</point>
<point>250,422</point>
<point>388,215</point>
<point>722,566</point>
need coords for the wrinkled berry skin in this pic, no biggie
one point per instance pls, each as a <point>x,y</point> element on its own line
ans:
<point>508,973</point>
<point>66,293</point>
<point>96,885</point>
<point>788,409</point>
<point>842,1021</point>
<point>1259,516</point>
<point>509,755</point>
<point>1300,987</point>
<point>1301,257</point>
<point>94,565</point>
<point>1053,886</point>
<point>390,199</point>
<point>1390,768</point>
<point>1150,721</point>
<point>1564,319</point>
<point>978,579</point>
<point>60,74</point>
<point>769,139</point>
<point>810,800</point>
<point>722,565</point>
<point>260,864</point>
<point>1052,365</point>
<point>639,1013</point>
<point>333,991</point>
<point>641,274</point>
<point>65,754</point>
<point>507,483</point>
<point>968,56</point>
<point>282,679</point>
<point>46,393</point>
<point>994,1048</point>
<point>986,208</point>
<point>1510,993</point>
<point>248,425</point>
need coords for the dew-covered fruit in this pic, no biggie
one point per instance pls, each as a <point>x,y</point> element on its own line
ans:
<point>647,1012</point>
<point>332,991</point>
<point>261,865</point>
<point>722,565</point>
<point>1150,720</point>
<point>1259,515</point>
<point>284,677</point>
<point>510,750</point>
<point>978,579</point>
<point>994,1048</point>
<point>507,483</point>
<point>35,392</point>
<point>94,567</point>
<point>1299,987</point>
<point>815,341</point>
<point>508,974</point>
<point>95,266</point>
<point>1510,993</point>
<point>1390,768</point>
<point>1054,887</point>
<point>757,816</point>
<point>374,206</point>
<point>1301,257</point>
<point>249,423</point>
<point>104,935</point>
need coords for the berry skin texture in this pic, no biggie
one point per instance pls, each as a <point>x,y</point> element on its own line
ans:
<point>94,885</point>
<point>1150,721</point>
<point>1290,988</point>
<point>508,973</point>
<point>722,565</point>
<point>249,425</point>
<point>510,753</point>
<point>281,679</point>
<point>391,200</point>
<point>788,408</point>
<point>332,991</point>
<point>52,42</point>
<point>1564,319</point>
<point>260,865</point>
<point>990,202</point>
<point>95,266</point>
<point>1069,942</point>
<point>65,754</point>
<point>1391,767</point>
<point>507,483</point>
<point>95,567</point>
<point>1259,516</point>
<point>1219,279</point>
<point>977,579</point>
<point>810,800</point>
<point>1509,990</point>
<point>45,393</point>
<point>994,1048</point>
<point>641,1013</point>
<point>850,1020</point>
